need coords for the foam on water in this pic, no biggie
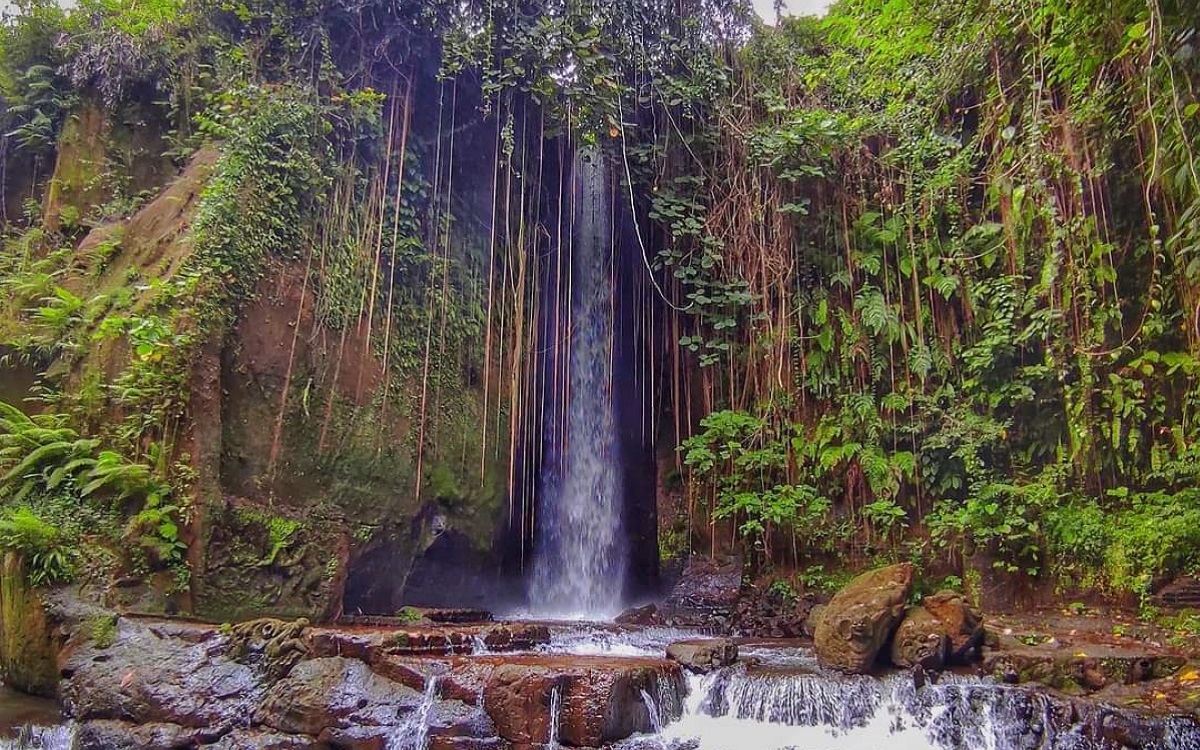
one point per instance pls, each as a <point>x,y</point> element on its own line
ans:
<point>785,702</point>
<point>60,737</point>
<point>600,640</point>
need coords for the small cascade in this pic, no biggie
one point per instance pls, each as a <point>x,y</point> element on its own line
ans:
<point>791,699</point>
<point>555,708</point>
<point>60,737</point>
<point>580,553</point>
<point>656,721</point>
<point>414,733</point>
<point>785,701</point>
<point>601,641</point>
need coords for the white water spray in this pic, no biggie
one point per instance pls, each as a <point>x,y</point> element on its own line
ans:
<point>414,733</point>
<point>579,563</point>
<point>555,708</point>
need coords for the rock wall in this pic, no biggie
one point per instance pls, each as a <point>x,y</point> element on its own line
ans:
<point>28,652</point>
<point>315,469</point>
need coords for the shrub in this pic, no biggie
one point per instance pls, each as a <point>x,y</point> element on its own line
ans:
<point>49,557</point>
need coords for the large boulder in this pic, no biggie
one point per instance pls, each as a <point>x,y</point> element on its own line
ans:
<point>961,624</point>
<point>335,694</point>
<point>858,621</point>
<point>705,596</point>
<point>343,703</point>
<point>919,641</point>
<point>146,674</point>
<point>593,701</point>
<point>27,643</point>
<point>106,734</point>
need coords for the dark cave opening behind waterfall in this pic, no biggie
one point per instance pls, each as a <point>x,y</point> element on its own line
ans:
<point>427,564</point>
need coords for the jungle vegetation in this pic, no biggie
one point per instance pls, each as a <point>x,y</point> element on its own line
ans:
<point>920,277</point>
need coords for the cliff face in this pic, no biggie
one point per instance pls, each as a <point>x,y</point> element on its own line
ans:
<point>318,468</point>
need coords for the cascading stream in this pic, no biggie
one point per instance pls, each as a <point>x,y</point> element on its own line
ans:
<point>580,555</point>
<point>779,698</point>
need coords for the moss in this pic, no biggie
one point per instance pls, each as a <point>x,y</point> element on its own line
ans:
<point>102,629</point>
<point>408,615</point>
<point>27,652</point>
<point>281,532</point>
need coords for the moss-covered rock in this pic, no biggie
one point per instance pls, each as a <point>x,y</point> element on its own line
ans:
<point>259,560</point>
<point>27,650</point>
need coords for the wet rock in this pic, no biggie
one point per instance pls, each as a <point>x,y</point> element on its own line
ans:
<point>27,641</point>
<point>919,641</point>
<point>121,735</point>
<point>467,743</point>
<point>703,655</point>
<point>764,612</point>
<point>335,694</point>
<point>410,671</point>
<point>514,636</point>
<point>146,678</point>
<point>705,596</point>
<point>1081,670</point>
<point>599,699</point>
<point>360,643</point>
<point>858,621</point>
<point>259,739</point>
<point>451,719</point>
<point>1181,593</point>
<point>645,616</point>
<point>961,624</point>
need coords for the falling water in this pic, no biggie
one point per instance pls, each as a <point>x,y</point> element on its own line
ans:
<point>579,553</point>
<point>555,707</point>
<point>60,737</point>
<point>414,733</point>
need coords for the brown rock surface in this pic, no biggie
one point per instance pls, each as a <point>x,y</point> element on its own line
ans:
<point>961,624</point>
<point>857,622</point>
<point>705,596</point>
<point>599,699</point>
<point>919,641</point>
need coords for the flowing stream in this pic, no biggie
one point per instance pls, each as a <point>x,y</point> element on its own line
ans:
<point>32,724</point>
<point>778,698</point>
<point>579,562</point>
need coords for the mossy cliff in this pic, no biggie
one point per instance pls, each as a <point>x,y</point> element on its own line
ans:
<point>27,651</point>
<point>312,443</point>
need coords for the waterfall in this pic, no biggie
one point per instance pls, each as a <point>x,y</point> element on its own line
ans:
<point>413,733</point>
<point>555,708</point>
<point>579,552</point>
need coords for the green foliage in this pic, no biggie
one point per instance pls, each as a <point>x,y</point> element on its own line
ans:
<point>817,578</point>
<point>782,591</point>
<point>49,557</point>
<point>961,311</point>
<point>1132,545</point>
<point>34,97</point>
<point>745,467</point>
<point>103,630</point>
<point>51,467</point>
<point>408,615</point>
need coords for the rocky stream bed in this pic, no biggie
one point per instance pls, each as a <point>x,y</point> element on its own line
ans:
<point>656,680</point>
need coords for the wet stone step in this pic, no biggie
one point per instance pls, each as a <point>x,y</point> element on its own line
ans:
<point>1183,593</point>
<point>436,616</point>
<point>1079,670</point>
<point>579,701</point>
<point>361,642</point>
